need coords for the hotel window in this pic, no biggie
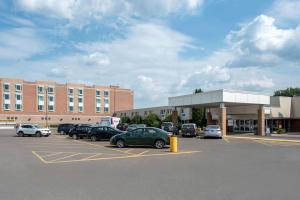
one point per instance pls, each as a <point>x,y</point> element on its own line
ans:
<point>40,89</point>
<point>106,109</point>
<point>71,108</point>
<point>6,87</point>
<point>18,97</point>
<point>98,105</point>
<point>106,101</point>
<point>106,93</point>
<point>80,91</point>
<point>80,104</point>
<point>6,104</point>
<point>40,103</point>
<point>98,93</point>
<point>71,104</point>
<point>18,107</point>
<point>71,99</point>
<point>18,87</point>
<point>50,90</point>
<point>50,103</point>
<point>70,91</point>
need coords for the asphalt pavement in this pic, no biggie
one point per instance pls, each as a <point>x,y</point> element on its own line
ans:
<point>60,168</point>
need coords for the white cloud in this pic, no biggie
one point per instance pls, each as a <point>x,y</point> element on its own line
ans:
<point>79,9</point>
<point>20,43</point>
<point>261,43</point>
<point>286,10</point>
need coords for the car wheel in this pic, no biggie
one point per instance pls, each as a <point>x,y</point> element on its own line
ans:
<point>20,134</point>
<point>93,138</point>
<point>38,134</point>
<point>159,144</point>
<point>120,143</point>
<point>75,137</point>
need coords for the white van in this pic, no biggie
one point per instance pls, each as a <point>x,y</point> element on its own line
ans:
<point>109,121</point>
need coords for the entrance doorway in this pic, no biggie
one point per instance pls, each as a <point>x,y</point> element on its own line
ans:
<point>245,125</point>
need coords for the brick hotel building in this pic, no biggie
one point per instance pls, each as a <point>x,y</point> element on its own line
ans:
<point>41,101</point>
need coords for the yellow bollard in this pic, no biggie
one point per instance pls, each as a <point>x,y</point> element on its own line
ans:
<point>173,144</point>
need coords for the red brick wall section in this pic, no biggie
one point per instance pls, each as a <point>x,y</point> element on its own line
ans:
<point>29,99</point>
<point>90,102</point>
<point>61,100</point>
<point>121,100</point>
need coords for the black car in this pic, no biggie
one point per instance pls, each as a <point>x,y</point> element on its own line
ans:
<point>80,131</point>
<point>122,126</point>
<point>64,128</point>
<point>103,133</point>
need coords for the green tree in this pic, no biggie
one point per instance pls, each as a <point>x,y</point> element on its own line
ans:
<point>125,119</point>
<point>137,119</point>
<point>152,120</point>
<point>289,92</point>
<point>198,114</point>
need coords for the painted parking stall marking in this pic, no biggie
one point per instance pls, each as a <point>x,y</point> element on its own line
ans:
<point>71,157</point>
<point>61,149</point>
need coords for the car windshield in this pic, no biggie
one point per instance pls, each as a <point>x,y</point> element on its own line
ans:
<point>188,126</point>
<point>213,127</point>
<point>37,126</point>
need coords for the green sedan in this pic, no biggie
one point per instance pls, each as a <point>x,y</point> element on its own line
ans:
<point>142,137</point>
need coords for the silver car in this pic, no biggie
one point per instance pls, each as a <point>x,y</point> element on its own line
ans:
<point>213,131</point>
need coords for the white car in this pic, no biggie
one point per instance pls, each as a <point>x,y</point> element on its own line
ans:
<point>36,130</point>
<point>213,131</point>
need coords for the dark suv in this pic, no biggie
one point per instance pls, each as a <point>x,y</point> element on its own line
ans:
<point>189,130</point>
<point>103,133</point>
<point>64,128</point>
<point>80,131</point>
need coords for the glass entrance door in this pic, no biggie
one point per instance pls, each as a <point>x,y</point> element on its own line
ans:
<point>244,125</point>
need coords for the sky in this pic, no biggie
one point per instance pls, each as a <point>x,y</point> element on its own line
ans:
<point>157,48</point>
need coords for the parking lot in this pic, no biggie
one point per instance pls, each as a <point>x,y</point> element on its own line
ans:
<point>59,167</point>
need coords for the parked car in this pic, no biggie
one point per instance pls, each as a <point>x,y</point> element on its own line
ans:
<point>213,131</point>
<point>142,137</point>
<point>189,130</point>
<point>64,128</point>
<point>169,127</point>
<point>135,126</point>
<point>36,130</point>
<point>122,126</point>
<point>80,131</point>
<point>103,133</point>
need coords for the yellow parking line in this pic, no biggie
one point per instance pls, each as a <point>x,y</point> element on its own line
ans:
<point>62,147</point>
<point>264,143</point>
<point>225,138</point>
<point>96,145</point>
<point>69,156</point>
<point>265,139</point>
<point>53,154</point>
<point>128,156</point>
<point>97,154</point>
<point>143,153</point>
<point>39,157</point>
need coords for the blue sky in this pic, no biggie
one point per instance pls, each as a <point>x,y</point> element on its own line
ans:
<point>157,48</point>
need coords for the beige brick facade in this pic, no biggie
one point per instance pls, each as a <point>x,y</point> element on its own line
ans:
<point>62,103</point>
